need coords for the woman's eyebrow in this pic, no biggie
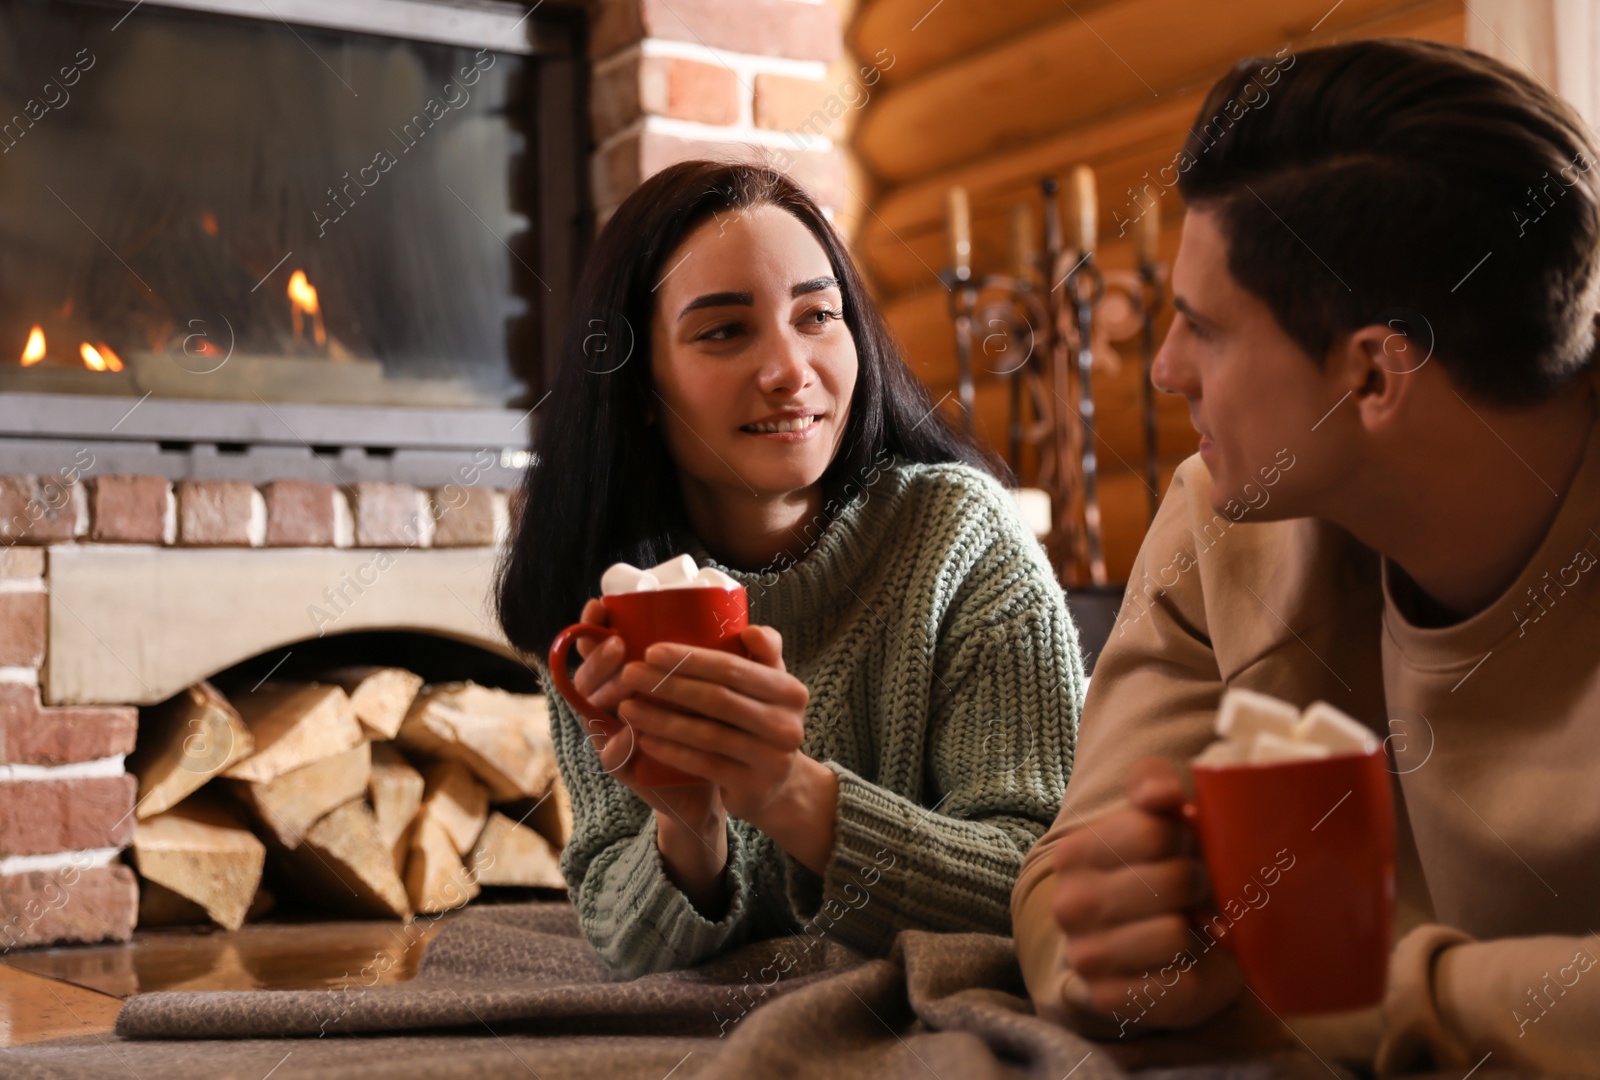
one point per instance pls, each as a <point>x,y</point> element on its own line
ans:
<point>744,299</point>
<point>814,285</point>
<point>718,299</point>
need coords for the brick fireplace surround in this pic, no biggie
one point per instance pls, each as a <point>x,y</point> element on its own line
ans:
<point>117,591</point>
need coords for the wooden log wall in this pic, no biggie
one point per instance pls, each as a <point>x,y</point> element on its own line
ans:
<point>995,96</point>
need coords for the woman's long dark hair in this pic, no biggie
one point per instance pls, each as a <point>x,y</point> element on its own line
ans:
<point>602,486</point>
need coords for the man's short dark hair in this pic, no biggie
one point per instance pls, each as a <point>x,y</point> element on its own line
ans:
<point>1406,180</point>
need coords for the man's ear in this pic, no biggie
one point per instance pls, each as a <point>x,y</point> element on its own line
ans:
<point>1378,364</point>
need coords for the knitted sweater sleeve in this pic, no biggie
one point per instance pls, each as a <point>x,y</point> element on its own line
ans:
<point>1000,745</point>
<point>633,914</point>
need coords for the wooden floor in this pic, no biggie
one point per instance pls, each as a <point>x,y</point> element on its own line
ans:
<point>34,1008</point>
<point>77,990</point>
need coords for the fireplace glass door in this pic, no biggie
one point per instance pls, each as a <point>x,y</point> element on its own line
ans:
<point>204,206</point>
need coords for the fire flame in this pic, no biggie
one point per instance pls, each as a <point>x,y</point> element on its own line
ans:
<point>101,359</point>
<point>302,293</point>
<point>303,301</point>
<point>33,351</point>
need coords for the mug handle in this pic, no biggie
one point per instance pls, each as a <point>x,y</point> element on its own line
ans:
<point>647,770</point>
<point>1202,915</point>
<point>608,723</point>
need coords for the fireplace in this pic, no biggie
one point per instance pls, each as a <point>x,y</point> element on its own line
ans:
<point>350,229</point>
<point>268,368</point>
<point>285,283</point>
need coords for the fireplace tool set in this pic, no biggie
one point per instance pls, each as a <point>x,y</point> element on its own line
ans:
<point>1037,327</point>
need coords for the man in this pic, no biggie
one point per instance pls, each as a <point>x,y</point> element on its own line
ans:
<point>1386,296</point>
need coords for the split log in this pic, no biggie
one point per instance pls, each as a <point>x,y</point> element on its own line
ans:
<point>550,815</point>
<point>344,863</point>
<point>182,744</point>
<point>455,800</point>
<point>293,724</point>
<point>381,696</point>
<point>160,906</point>
<point>504,738</point>
<point>295,801</point>
<point>509,853</point>
<point>436,879</point>
<point>202,852</point>
<point>396,789</point>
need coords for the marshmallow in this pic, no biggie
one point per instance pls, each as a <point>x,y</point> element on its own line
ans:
<point>1327,726</point>
<point>679,572</point>
<point>714,578</point>
<point>1257,729</point>
<point>1269,748</point>
<point>1246,715</point>
<point>620,578</point>
<point>1221,752</point>
<point>676,573</point>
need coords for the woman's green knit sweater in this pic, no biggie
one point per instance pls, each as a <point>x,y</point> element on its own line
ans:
<point>945,682</point>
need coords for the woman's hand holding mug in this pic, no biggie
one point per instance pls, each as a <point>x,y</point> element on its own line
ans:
<point>691,822</point>
<point>735,721</point>
<point>694,710</point>
<point>738,721</point>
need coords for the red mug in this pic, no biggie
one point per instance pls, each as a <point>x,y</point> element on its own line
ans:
<point>706,616</point>
<point>1301,858</point>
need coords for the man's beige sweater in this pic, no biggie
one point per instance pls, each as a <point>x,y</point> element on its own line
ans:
<point>1493,725</point>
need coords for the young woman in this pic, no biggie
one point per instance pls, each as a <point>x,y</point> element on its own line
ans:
<point>903,728</point>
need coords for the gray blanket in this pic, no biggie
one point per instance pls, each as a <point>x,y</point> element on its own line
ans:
<point>515,991</point>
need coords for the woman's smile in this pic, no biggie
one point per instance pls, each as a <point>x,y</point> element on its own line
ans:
<point>795,428</point>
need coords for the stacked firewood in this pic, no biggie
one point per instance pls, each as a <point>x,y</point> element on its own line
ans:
<point>372,792</point>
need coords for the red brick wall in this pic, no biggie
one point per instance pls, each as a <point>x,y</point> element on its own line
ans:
<point>734,79</point>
